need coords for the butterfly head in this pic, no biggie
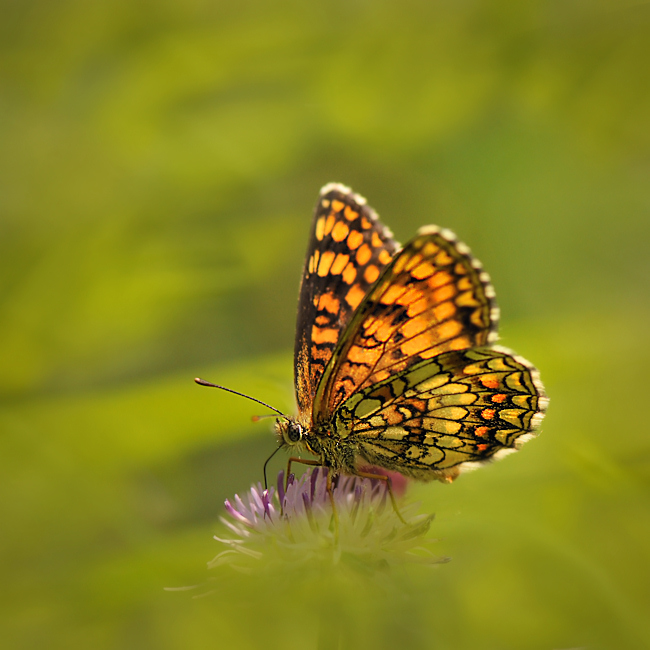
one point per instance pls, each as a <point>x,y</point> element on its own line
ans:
<point>289,432</point>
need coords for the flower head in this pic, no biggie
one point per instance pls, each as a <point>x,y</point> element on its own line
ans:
<point>356,525</point>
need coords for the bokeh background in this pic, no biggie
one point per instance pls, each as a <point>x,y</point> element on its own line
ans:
<point>159,163</point>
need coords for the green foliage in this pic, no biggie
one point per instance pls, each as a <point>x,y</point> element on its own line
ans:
<point>159,162</point>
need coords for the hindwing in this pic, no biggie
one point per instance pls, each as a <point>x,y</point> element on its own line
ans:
<point>440,415</point>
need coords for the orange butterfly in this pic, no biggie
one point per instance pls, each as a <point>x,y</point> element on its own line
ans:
<point>394,362</point>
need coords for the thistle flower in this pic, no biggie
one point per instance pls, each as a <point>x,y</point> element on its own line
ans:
<point>296,528</point>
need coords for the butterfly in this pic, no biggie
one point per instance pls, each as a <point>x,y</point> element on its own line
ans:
<point>395,365</point>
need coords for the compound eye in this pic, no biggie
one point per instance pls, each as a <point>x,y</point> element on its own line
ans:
<point>294,432</point>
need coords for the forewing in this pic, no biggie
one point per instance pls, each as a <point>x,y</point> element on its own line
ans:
<point>348,248</point>
<point>432,298</point>
<point>458,410</point>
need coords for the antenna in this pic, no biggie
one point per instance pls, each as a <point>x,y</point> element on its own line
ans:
<point>202,382</point>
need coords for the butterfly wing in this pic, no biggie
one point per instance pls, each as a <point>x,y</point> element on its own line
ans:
<point>454,411</point>
<point>348,248</point>
<point>432,298</point>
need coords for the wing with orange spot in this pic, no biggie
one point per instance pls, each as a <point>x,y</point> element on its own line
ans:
<point>348,249</point>
<point>432,298</point>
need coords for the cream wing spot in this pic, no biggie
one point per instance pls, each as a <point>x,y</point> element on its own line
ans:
<point>394,433</point>
<point>413,452</point>
<point>366,407</point>
<point>432,457</point>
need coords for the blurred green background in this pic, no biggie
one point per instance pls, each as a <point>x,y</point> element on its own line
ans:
<point>159,163</point>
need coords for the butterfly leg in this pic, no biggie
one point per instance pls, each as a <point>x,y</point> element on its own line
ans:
<point>389,487</point>
<point>302,461</point>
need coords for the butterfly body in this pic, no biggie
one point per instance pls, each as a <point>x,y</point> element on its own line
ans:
<point>394,361</point>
